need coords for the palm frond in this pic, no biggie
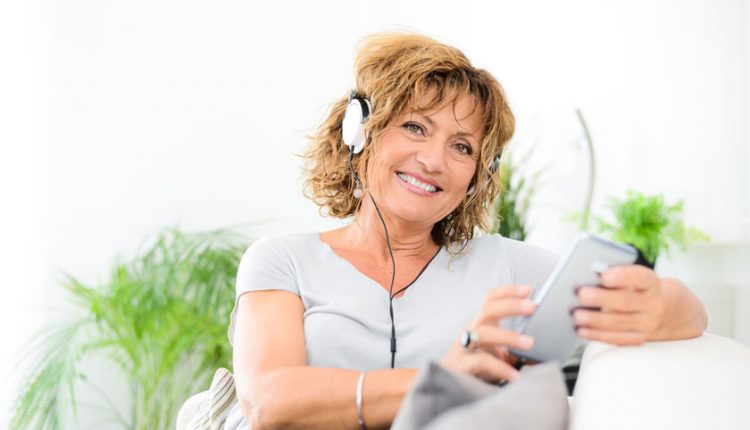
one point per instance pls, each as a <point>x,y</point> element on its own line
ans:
<point>48,393</point>
<point>161,319</point>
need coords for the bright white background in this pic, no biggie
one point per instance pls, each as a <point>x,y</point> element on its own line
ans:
<point>118,118</point>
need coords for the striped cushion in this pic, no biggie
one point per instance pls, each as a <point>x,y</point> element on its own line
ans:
<point>213,410</point>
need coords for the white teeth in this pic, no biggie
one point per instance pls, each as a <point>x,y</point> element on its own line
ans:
<point>408,179</point>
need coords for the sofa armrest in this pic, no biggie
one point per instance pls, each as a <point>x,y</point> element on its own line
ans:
<point>688,384</point>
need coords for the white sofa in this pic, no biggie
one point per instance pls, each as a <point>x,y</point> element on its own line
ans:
<point>701,383</point>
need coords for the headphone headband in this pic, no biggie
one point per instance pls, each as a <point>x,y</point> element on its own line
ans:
<point>353,134</point>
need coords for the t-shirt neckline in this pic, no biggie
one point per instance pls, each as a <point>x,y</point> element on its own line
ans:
<point>327,247</point>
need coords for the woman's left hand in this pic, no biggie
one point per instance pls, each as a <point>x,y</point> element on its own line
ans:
<point>631,306</point>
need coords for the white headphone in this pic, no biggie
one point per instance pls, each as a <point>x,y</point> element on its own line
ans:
<point>353,130</point>
<point>352,127</point>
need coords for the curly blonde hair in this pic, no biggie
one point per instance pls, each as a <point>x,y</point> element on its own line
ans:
<point>396,71</point>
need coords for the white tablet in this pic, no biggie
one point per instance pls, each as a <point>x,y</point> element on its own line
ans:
<point>552,324</point>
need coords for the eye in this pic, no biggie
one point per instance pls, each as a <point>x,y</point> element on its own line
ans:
<point>414,128</point>
<point>464,148</point>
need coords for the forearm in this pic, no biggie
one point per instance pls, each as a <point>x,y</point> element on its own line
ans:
<point>683,316</point>
<point>323,398</point>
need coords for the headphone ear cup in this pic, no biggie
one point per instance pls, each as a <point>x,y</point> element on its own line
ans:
<point>495,165</point>
<point>352,127</point>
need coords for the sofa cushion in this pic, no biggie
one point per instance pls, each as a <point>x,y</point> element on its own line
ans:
<point>213,409</point>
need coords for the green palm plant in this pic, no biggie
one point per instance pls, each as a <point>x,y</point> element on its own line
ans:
<point>161,320</point>
<point>512,204</point>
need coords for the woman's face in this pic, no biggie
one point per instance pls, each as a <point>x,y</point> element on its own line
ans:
<point>425,162</point>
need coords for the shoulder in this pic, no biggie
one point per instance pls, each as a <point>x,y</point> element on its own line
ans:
<point>508,248</point>
<point>282,245</point>
<point>281,253</point>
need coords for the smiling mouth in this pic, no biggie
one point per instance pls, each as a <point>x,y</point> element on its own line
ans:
<point>416,183</point>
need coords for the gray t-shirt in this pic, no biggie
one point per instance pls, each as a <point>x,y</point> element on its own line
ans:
<point>346,320</point>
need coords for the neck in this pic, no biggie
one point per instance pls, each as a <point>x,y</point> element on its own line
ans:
<point>406,239</point>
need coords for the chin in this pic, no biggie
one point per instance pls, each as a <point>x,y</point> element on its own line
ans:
<point>418,215</point>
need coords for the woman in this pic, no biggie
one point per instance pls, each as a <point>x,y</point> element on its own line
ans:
<point>326,333</point>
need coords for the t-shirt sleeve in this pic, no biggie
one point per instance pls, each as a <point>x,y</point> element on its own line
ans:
<point>266,265</point>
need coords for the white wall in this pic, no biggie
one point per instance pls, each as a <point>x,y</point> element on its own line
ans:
<point>22,187</point>
<point>746,110</point>
<point>156,113</point>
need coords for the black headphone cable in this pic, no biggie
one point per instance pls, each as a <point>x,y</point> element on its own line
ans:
<point>393,265</point>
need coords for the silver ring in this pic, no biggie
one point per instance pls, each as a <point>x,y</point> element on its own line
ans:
<point>469,339</point>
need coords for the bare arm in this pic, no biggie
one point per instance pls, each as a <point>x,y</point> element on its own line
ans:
<point>275,387</point>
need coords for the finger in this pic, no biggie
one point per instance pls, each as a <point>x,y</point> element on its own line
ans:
<point>513,290</point>
<point>501,352</point>
<point>490,336</point>
<point>612,321</point>
<point>491,369</point>
<point>638,277</point>
<point>618,299</point>
<point>495,310</point>
<point>613,337</point>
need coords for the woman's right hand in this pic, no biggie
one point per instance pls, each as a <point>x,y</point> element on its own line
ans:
<point>489,357</point>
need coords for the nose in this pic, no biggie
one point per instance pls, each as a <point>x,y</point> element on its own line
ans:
<point>432,156</point>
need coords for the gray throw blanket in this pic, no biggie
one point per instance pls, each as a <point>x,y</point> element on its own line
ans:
<point>441,399</point>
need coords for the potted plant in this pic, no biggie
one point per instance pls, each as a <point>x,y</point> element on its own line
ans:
<point>160,319</point>
<point>650,224</point>
<point>512,204</point>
